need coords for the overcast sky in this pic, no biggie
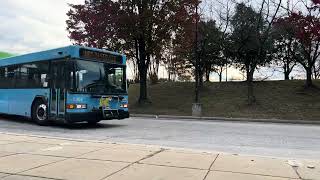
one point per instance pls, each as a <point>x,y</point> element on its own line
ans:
<point>33,25</point>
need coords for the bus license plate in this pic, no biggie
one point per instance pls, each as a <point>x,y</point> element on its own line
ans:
<point>105,103</point>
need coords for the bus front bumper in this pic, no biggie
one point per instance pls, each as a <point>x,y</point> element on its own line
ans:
<point>97,116</point>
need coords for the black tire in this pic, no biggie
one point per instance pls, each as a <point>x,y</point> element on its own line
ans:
<point>40,113</point>
<point>94,122</point>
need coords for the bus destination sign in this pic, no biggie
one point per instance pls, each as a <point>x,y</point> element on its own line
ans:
<point>100,56</point>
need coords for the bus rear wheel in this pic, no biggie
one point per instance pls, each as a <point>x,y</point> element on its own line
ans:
<point>40,112</point>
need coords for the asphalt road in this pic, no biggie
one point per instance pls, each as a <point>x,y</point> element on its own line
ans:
<point>266,139</point>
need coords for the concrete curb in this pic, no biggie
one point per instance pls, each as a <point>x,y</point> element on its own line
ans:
<point>216,119</point>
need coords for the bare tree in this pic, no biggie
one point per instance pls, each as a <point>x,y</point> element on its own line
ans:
<point>222,12</point>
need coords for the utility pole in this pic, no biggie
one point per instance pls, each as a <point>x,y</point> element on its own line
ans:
<point>197,106</point>
<point>197,57</point>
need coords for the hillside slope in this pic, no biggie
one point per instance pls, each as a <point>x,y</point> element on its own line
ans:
<point>4,55</point>
<point>275,99</point>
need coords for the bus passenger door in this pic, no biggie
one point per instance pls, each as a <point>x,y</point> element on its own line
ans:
<point>58,90</point>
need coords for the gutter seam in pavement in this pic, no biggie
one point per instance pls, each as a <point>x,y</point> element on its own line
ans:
<point>215,119</point>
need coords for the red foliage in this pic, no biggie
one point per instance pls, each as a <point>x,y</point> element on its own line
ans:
<point>316,1</point>
<point>92,25</point>
<point>306,28</point>
<point>316,4</point>
<point>103,24</point>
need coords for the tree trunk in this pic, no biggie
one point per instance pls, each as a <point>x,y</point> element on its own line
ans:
<point>143,71</point>
<point>207,77</point>
<point>220,74</point>
<point>309,77</point>
<point>286,75</point>
<point>251,97</point>
<point>286,71</point>
<point>227,73</point>
<point>315,71</point>
<point>200,79</point>
<point>207,73</point>
<point>143,87</point>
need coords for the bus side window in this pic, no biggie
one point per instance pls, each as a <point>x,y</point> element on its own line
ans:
<point>6,79</point>
<point>32,75</point>
<point>70,78</point>
<point>43,73</point>
<point>10,77</point>
<point>2,77</point>
<point>57,75</point>
<point>44,80</point>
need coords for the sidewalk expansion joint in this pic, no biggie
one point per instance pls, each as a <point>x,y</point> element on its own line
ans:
<point>23,175</point>
<point>256,174</point>
<point>153,154</point>
<point>20,173</point>
<point>12,142</point>
<point>161,165</point>
<point>13,153</point>
<point>63,159</point>
<point>296,171</point>
<point>103,160</point>
<point>205,177</point>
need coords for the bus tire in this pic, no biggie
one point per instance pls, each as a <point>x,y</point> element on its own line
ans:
<point>94,122</point>
<point>40,112</point>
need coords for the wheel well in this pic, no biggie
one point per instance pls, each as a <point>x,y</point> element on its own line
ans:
<point>38,98</point>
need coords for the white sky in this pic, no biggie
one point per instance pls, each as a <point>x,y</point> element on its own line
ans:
<point>35,25</point>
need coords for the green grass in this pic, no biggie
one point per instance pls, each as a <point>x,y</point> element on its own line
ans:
<point>275,99</point>
<point>4,55</point>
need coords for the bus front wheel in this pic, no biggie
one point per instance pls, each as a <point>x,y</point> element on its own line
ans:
<point>93,122</point>
<point>40,112</point>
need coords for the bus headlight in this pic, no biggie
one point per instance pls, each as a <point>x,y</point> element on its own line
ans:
<point>76,106</point>
<point>124,105</point>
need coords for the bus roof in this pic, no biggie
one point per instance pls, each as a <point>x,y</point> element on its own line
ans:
<point>59,53</point>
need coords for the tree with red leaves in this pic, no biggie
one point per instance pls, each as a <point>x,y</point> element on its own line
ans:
<point>138,28</point>
<point>316,2</point>
<point>306,29</point>
<point>94,25</point>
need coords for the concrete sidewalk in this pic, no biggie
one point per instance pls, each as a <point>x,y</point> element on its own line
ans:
<point>31,157</point>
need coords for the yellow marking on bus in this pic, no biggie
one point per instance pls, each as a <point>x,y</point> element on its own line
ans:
<point>104,102</point>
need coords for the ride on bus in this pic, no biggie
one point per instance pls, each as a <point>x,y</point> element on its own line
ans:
<point>70,84</point>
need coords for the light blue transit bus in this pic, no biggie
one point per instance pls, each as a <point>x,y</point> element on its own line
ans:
<point>69,84</point>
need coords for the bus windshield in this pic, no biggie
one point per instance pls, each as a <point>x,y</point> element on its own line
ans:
<point>100,78</point>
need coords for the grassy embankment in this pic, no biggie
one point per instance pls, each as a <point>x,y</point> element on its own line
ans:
<point>275,99</point>
<point>4,55</point>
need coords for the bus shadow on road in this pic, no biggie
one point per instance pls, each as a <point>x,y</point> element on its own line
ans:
<point>17,120</point>
<point>82,126</point>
